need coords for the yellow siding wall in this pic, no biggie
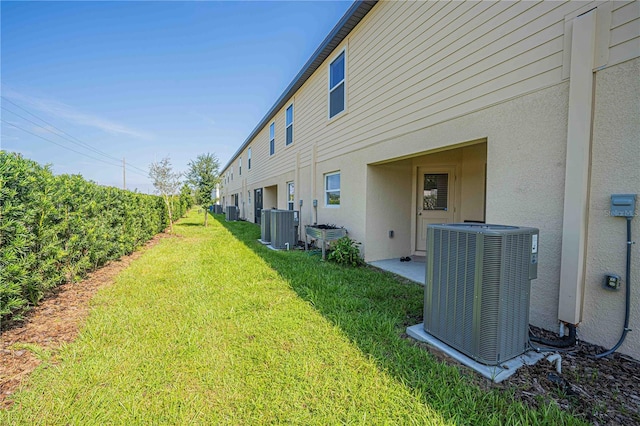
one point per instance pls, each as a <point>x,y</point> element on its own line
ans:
<point>624,41</point>
<point>414,64</point>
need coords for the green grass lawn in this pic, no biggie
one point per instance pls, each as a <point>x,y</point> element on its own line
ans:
<point>211,327</point>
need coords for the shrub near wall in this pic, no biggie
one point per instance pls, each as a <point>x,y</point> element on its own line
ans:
<point>54,229</point>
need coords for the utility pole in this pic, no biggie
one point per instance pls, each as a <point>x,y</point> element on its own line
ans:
<point>124,174</point>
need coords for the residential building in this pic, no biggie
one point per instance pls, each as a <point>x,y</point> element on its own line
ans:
<point>517,113</point>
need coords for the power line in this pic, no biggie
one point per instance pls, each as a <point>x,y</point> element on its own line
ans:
<point>61,136</point>
<point>79,142</point>
<point>66,147</point>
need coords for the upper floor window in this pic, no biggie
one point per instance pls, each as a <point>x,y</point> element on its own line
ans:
<point>289,124</point>
<point>332,189</point>
<point>240,166</point>
<point>249,158</point>
<point>272,139</point>
<point>231,172</point>
<point>337,85</point>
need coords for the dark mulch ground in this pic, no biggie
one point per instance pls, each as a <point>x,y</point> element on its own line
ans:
<point>600,392</point>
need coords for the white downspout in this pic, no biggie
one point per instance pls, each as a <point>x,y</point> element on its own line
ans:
<point>576,189</point>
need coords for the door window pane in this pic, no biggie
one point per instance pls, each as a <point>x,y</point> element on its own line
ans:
<point>435,195</point>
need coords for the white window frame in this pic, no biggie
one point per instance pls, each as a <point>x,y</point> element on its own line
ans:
<point>287,125</point>
<point>239,166</point>
<point>327,191</point>
<point>330,89</point>
<point>231,172</point>
<point>249,158</point>
<point>272,139</point>
<point>291,203</point>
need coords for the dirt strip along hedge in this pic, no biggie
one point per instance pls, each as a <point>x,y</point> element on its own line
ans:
<point>54,229</point>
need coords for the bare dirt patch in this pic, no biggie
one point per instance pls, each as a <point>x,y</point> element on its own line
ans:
<point>53,322</point>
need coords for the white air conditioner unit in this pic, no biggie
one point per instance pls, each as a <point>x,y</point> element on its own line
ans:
<point>231,213</point>
<point>283,229</point>
<point>265,226</point>
<point>478,281</point>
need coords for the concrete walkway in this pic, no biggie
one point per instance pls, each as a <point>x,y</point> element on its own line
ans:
<point>414,270</point>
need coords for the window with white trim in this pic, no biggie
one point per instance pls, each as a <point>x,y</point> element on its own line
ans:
<point>240,166</point>
<point>231,172</point>
<point>289,125</point>
<point>291,193</point>
<point>332,189</point>
<point>272,139</point>
<point>249,158</point>
<point>337,85</point>
<point>249,196</point>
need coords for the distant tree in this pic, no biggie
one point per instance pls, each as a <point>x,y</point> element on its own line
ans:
<point>203,176</point>
<point>186,196</point>
<point>166,182</point>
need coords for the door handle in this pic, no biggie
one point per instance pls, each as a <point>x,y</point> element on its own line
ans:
<point>420,213</point>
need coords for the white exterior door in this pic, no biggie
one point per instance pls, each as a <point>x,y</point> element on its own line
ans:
<point>435,202</point>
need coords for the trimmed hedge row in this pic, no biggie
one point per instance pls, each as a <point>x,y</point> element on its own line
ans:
<point>54,229</point>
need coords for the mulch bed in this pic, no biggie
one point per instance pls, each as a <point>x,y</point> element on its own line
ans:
<point>53,322</point>
<point>600,392</point>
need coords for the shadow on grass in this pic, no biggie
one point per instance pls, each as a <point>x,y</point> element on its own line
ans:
<point>189,224</point>
<point>373,308</point>
<point>201,215</point>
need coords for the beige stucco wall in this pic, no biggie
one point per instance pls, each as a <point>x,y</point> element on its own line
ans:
<point>615,170</point>
<point>525,146</point>
<point>388,208</point>
<point>474,160</point>
<point>270,196</point>
<point>392,193</point>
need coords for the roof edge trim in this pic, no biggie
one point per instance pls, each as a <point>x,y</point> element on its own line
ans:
<point>349,20</point>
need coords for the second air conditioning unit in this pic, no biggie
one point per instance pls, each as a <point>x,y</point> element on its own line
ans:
<point>283,229</point>
<point>232,213</point>
<point>265,226</point>
<point>478,281</point>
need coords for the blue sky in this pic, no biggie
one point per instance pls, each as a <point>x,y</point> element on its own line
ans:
<point>146,80</point>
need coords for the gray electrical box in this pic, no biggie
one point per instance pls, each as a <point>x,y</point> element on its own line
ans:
<point>623,205</point>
